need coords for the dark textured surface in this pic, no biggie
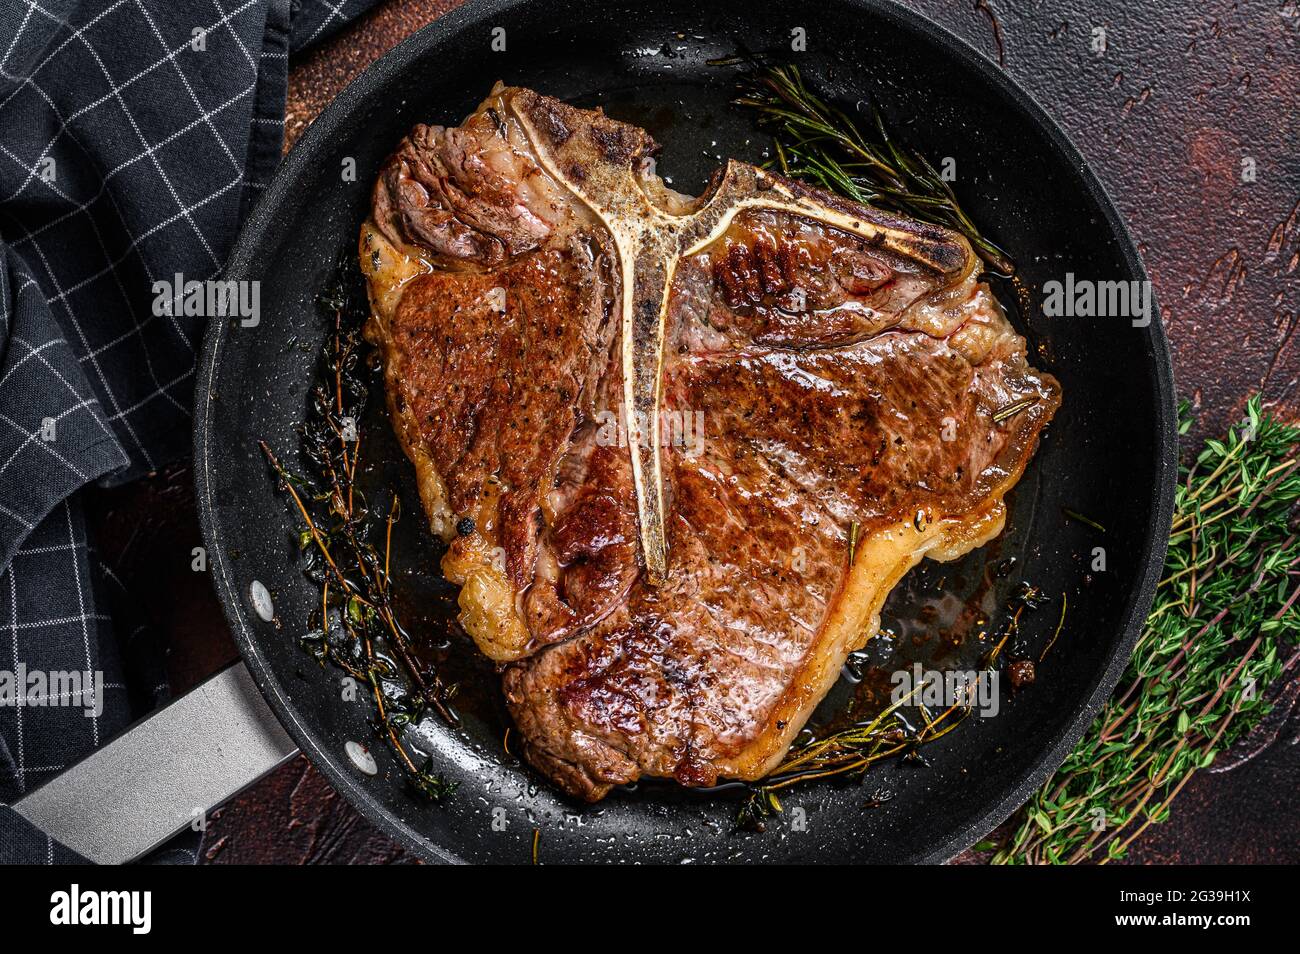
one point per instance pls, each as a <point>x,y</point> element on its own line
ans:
<point>1165,116</point>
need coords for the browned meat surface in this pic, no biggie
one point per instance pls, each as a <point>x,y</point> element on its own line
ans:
<point>824,371</point>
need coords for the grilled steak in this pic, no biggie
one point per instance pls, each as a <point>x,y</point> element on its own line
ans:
<point>681,449</point>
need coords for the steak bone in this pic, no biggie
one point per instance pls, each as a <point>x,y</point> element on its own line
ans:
<point>609,166</point>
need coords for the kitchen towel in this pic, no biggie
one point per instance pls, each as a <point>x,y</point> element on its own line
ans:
<point>134,136</point>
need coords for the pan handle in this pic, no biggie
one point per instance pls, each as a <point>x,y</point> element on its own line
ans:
<point>164,773</point>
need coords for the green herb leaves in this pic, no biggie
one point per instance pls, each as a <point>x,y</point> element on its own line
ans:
<point>1225,617</point>
<point>819,143</point>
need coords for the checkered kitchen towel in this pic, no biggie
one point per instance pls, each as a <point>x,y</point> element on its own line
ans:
<point>134,134</point>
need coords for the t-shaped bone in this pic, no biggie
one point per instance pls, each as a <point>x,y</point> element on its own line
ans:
<point>607,165</point>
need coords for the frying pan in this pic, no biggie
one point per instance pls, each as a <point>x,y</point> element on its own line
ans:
<point>1110,454</point>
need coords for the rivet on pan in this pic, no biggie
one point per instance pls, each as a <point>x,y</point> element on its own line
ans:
<point>261,598</point>
<point>361,757</point>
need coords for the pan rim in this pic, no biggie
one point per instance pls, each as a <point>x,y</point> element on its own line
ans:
<point>1165,449</point>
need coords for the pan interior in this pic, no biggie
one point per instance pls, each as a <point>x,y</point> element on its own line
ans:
<point>1106,454</point>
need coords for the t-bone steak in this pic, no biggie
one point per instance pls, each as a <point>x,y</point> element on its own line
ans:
<point>680,449</point>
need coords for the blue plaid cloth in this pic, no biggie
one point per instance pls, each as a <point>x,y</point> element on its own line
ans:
<point>134,135</point>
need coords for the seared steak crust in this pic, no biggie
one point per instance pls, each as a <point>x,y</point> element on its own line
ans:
<point>821,377</point>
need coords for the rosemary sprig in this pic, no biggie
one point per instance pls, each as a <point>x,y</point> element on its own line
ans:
<point>1222,630</point>
<point>818,142</point>
<point>358,630</point>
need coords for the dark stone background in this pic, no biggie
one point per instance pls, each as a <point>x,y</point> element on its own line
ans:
<point>1165,116</point>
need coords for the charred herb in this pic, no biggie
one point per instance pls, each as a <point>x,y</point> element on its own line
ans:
<point>820,143</point>
<point>346,544</point>
<point>1223,629</point>
<point>898,731</point>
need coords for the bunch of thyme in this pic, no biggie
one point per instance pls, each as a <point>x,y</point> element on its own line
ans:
<point>358,630</point>
<point>1223,629</point>
<point>818,142</point>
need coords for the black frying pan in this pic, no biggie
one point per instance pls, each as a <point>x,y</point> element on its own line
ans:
<point>1110,454</point>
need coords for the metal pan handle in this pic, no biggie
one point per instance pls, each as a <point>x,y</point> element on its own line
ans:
<point>164,772</point>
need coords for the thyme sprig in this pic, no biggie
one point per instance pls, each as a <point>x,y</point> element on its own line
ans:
<point>846,755</point>
<point>358,627</point>
<point>1223,629</point>
<point>816,141</point>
